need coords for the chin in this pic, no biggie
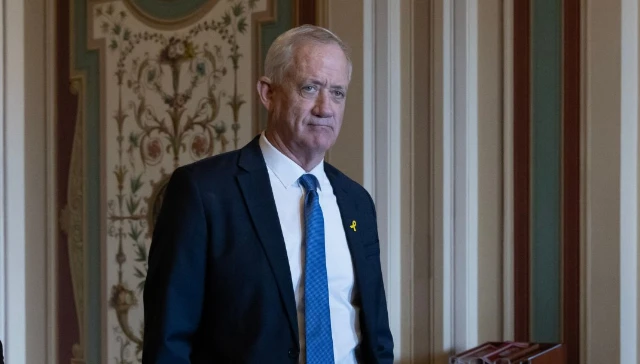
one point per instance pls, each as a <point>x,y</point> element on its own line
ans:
<point>320,145</point>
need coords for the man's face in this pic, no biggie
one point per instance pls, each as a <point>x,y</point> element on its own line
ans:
<point>306,109</point>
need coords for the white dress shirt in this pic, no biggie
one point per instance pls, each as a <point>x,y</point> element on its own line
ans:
<point>289,197</point>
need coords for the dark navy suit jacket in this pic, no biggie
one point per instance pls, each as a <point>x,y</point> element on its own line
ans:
<point>219,288</point>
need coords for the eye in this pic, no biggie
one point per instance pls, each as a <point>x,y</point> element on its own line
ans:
<point>309,88</point>
<point>338,94</point>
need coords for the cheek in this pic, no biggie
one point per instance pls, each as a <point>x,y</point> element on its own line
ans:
<point>299,115</point>
<point>286,115</point>
<point>338,127</point>
<point>339,118</point>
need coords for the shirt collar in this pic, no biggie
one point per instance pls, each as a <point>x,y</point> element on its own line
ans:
<point>285,169</point>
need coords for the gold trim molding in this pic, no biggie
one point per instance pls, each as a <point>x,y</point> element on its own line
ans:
<point>73,219</point>
<point>270,15</point>
<point>164,24</point>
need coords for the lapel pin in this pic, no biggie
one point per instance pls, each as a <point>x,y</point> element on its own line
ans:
<point>353,225</point>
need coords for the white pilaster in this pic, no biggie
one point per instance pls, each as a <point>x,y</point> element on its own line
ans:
<point>629,185</point>
<point>508,304</point>
<point>3,199</point>
<point>368,95</point>
<point>610,179</point>
<point>24,155</point>
<point>15,330</point>
<point>387,123</point>
<point>465,169</point>
<point>442,154</point>
<point>602,248</point>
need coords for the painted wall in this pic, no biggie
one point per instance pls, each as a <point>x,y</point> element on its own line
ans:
<point>490,170</point>
<point>415,105</point>
<point>538,205</point>
<point>144,86</point>
<point>610,275</point>
<point>345,19</point>
<point>546,128</point>
<point>24,267</point>
<point>76,107</point>
<point>602,273</point>
<point>599,253</point>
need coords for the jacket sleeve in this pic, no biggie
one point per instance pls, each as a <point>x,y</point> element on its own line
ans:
<point>384,339</point>
<point>384,351</point>
<point>175,283</point>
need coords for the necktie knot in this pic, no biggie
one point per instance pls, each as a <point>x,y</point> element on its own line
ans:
<point>309,182</point>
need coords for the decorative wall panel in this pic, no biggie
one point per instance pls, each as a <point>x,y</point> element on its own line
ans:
<point>170,97</point>
<point>143,86</point>
<point>547,160</point>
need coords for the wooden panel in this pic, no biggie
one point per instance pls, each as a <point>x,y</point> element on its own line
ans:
<point>521,168</point>
<point>67,331</point>
<point>571,181</point>
<point>305,12</point>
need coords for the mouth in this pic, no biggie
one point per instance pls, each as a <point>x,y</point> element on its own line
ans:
<point>314,125</point>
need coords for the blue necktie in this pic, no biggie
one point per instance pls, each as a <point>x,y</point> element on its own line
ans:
<point>316,289</point>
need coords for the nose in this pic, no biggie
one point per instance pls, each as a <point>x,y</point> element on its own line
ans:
<point>322,107</point>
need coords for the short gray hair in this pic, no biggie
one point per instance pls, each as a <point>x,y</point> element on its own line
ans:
<point>280,54</point>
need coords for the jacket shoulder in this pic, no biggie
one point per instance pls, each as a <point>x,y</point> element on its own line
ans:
<point>212,170</point>
<point>346,182</point>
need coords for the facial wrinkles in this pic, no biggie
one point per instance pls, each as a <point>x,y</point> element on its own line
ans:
<point>307,122</point>
<point>324,97</point>
<point>325,66</point>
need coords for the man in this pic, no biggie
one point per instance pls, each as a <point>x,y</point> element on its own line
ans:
<point>267,254</point>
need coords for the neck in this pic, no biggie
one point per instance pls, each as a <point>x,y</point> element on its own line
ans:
<point>307,161</point>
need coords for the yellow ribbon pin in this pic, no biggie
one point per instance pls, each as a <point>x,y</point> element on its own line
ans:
<point>353,225</point>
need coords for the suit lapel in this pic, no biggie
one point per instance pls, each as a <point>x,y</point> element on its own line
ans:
<point>350,212</point>
<point>256,190</point>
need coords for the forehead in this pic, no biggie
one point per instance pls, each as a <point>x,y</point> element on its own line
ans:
<point>318,59</point>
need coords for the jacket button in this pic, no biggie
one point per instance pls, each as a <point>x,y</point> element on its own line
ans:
<point>293,353</point>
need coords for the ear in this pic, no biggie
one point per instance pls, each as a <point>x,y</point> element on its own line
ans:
<point>265,90</point>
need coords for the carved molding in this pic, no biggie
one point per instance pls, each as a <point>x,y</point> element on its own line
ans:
<point>270,15</point>
<point>72,219</point>
<point>77,355</point>
<point>172,24</point>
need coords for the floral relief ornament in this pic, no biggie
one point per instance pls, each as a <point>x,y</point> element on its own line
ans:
<point>159,117</point>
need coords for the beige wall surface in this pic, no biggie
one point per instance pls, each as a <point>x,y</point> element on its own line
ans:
<point>610,260</point>
<point>35,178</point>
<point>419,61</point>
<point>23,165</point>
<point>602,124</point>
<point>344,17</point>
<point>490,189</point>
